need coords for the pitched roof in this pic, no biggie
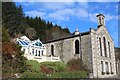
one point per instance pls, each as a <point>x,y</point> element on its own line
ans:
<point>81,34</point>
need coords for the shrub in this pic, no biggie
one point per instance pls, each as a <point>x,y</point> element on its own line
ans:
<point>76,74</point>
<point>29,74</point>
<point>33,65</point>
<point>77,65</point>
<point>54,66</point>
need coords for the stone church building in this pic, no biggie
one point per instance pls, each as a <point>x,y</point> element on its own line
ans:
<point>94,47</point>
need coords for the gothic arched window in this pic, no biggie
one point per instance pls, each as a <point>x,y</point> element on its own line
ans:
<point>77,47</point>
<point>100,47</point>
<point>52,50</point>
<point>104,42</point>
<point>109,49</point>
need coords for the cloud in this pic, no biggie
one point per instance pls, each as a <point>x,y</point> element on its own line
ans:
<point>80,12</point>
<point>116,7</point>
<point>61,15</point>
<point>35,13</point>
<point>56,5</point>
<point>110,17</point>
<point>64,11</point>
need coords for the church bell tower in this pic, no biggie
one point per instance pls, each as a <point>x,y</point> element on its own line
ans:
<point>101,20</point>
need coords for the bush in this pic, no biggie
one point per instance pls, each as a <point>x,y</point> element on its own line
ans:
<point>54,66</point>
<point>33,65</point>
<point>77,74</point>
<point>32,75</point>
<point>77,65</point>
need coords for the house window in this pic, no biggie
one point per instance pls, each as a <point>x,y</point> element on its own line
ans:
<point>104,42</point>
<point>100,46</point>
<point>102,67</point>
<point>23,50</point>
<point>39,53</point>
<point>77,47</point>
<point>52,50</point>
<point>36,53</point>
<point>33,51</point>
<point>109,49</point>
<point>42,52</point>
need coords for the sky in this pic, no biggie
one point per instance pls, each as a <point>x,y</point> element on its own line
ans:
<point>72,14</point>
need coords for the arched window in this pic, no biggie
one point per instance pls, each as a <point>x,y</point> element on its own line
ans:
<point>100,47</point>
<point>33,51</point>
<point>77,47</point>
<point>42,52</point>
<point>52,50</point>
<point>104,42</point>
<point>109,49</point>
<point>39,53</point>
<point>36,53</point>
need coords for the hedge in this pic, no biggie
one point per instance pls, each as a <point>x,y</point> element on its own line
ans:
<point>77,74</point>
<point>55,66</point>
<point>28,74</point>
<point>33,65</point>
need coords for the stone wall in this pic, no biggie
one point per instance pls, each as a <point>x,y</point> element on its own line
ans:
<point>117,53</point>
<point>86,51</point>
<point>64,48</point>
<point>97,58</point>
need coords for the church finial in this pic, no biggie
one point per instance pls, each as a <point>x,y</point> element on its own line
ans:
<point>76,31</point>
<point>101,20</point>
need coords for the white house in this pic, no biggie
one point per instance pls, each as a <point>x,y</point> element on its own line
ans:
<point>34,50</point>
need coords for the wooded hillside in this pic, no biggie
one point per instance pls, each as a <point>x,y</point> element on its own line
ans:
<point>17,24</point>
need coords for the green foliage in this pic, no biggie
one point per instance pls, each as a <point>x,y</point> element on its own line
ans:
<point>5,35</point>
<point>18,46</point>
<point>32,75</point>
<point>46,30</point>
<point>55,66</point>
<point>33,65</point>
<point>77,74</point>
<point>17,24</point>
<point>66,30</point>
<point>13,19</point>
